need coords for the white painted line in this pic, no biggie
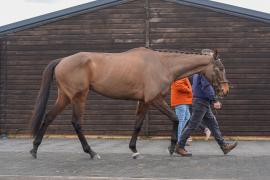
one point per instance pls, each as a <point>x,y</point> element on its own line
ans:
<point>18,177</point>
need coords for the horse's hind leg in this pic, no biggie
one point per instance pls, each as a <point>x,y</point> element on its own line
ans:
<point>78,105</point>
<point>60,104</point>
<point>164,108</point>
<point>140,115</point>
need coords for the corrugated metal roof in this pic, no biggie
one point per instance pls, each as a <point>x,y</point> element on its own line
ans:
<point>91,6</point>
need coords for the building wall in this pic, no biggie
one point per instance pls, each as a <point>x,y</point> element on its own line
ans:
<point>243,44</point>
<point>245,49</point>
<point>112,29</point>
<point>3,82</point>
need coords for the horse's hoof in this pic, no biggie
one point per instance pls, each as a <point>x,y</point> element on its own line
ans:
<point>170,151</point>
<point>95,156</point>
<point>34,154</point>
<point>135,155</point>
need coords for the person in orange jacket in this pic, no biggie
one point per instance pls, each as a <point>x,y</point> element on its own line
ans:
<point>181,99</point>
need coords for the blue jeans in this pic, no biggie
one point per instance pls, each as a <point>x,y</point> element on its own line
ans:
<point>183,115</point>
<point>201,111</point>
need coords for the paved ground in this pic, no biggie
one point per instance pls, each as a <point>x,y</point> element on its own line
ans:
<point>64,159</point>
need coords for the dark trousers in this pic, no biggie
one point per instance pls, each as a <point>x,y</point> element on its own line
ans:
<point>201,126</point>
<point>201,111</point>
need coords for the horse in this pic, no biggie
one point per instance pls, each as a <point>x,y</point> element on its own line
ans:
<point>139,74</point>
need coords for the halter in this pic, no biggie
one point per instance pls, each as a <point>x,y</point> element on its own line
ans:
<point>222,82</point>
<point>217,62</point>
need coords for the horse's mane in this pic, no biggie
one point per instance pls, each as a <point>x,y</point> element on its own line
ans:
<point>186,51</point>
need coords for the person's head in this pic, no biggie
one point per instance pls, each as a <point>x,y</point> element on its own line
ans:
<point>215,73</point>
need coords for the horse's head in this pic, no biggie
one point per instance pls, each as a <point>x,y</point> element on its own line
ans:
<point>216,75</point>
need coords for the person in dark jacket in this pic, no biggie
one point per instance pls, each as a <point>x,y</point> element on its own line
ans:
<point>203,97</point>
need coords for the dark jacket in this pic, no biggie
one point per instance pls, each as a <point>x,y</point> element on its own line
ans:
<point>202,88</point>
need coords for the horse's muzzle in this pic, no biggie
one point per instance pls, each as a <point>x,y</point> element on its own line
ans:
<point>225,89</point>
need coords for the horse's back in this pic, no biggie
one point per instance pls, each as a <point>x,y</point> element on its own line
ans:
<point>118,75</point>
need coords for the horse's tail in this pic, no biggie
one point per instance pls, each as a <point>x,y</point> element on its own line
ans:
<point>43,96</point>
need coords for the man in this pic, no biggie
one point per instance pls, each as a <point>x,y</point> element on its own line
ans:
<point>203,97</point>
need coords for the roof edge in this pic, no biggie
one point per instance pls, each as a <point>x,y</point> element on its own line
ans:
<point>226,8</point>
<point>54,16</point>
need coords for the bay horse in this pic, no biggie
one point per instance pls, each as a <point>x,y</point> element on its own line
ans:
<point>140,74</point>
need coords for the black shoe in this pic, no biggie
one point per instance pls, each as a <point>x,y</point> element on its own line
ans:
<point>227,147</point>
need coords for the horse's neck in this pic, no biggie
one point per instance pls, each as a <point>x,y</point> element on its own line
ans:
<point>183,65</point>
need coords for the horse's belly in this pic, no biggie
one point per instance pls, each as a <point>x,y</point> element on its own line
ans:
<point>117,91</point>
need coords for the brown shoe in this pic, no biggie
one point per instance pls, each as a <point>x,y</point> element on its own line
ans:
<point>226,148</point>
<point>182,151</point>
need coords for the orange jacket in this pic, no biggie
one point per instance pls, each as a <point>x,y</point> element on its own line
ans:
<point>181,92</point>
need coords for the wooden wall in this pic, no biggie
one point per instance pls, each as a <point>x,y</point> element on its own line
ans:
<point>113,29</point>
<point>2,84</point>
<point>243,43</point>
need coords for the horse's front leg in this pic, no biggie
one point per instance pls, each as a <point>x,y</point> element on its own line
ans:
<point>164,108</point>
<point>140,115</point>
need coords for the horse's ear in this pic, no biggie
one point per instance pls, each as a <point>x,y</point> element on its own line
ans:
<point>215,55</point>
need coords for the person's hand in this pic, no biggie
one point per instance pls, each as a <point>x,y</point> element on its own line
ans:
<point>217,105</point>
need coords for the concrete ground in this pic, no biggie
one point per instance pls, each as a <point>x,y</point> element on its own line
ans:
<point>64,159</point>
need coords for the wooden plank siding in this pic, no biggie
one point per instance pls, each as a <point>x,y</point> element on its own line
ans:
<point>244,44</point>
<point>1,86</point>
<point>245,49</point>
<point>3,82</point>
<point>113,29</point>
